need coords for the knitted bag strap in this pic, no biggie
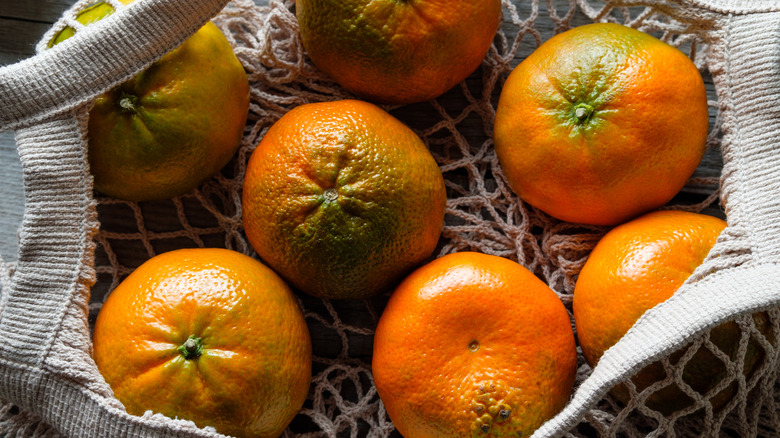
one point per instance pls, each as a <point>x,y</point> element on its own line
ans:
<point>741,275</point>
<point>45,363</point>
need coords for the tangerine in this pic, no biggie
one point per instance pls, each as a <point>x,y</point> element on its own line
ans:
<point>208,335</point>
<point>342,199</point>
<point>601,124</point>
<point>398,52</point>
<point>88,15</point>
<point>636,266</point>
<point>473,345</point>
<point>172,126</point>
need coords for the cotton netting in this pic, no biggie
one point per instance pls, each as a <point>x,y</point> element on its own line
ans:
<point>482,215</point>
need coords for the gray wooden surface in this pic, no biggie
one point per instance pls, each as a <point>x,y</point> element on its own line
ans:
<point>23,23</point>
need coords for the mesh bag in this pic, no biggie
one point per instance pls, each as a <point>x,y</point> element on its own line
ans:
<point>75,247</point>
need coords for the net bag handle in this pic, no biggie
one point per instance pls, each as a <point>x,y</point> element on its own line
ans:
<point>741,275</point>
<point>45,363</point>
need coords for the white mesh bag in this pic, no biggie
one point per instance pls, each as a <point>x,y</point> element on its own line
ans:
<point>75,246</point>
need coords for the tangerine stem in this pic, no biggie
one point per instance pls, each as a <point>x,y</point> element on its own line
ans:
<point>583,111</point>
<point>192,348</point>
<point>127,102</point>
<point>331,194</point>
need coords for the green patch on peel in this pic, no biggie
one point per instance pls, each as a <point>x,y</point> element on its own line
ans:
<point>88,15</point>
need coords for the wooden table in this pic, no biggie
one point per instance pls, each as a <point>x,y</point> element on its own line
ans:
<point>22,24</point>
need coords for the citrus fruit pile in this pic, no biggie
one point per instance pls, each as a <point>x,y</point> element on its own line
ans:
<point>601,125</point>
